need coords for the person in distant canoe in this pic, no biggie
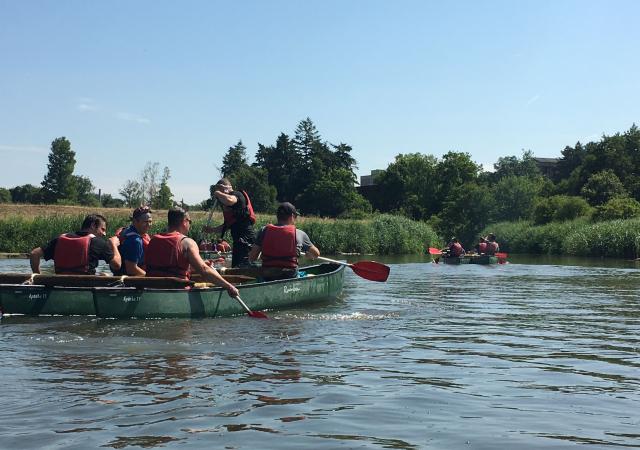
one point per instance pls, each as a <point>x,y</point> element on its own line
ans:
<point>481,247</point>
<point>280,245</point>
<point>173,254</point>
<point>79,253</point>
<point>492,245</point>
<point>133,242</point>
<point>238,217</point>
<point>455,248</point>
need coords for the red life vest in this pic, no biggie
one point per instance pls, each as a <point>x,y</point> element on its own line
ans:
<point>279,247</point>
<point>482,247</point>
<point>456,249</point>
<point>230,217</point>
<point>122,236</point>
<point>492,248</point>
<point>164,256</point>
<point>71,256</point>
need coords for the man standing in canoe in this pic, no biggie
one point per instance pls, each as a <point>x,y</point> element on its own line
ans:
<point>173,254</point>
<point>238,217</point>
<point>79,253</point>
<point>134,241</point>
<point>280,245</point>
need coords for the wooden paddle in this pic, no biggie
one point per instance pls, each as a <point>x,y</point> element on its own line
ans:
<point>254,314</point>
<point>370,270</point>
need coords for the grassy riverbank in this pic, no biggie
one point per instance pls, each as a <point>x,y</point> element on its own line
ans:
<point>23,227</point>
<point>581,237</point>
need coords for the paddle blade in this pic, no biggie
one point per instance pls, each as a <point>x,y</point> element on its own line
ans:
<point>371,270</point>
<point>257,315</point>
<point>434,251</point>
<point>502,255</point>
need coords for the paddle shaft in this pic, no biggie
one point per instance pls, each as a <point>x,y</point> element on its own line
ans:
<point>257,314</point>
<point>215,203</point>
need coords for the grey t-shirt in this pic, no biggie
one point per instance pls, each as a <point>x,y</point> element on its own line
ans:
<point>303,243</point>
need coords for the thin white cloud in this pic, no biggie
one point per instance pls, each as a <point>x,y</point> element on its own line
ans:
<point>86,104</point>
<point>132,117</point>
<point>22,149</point>
<point>533,99</point>
<point>86,107</point>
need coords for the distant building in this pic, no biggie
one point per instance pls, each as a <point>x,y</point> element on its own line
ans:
<point>369,180</point>
<point>547,165</point>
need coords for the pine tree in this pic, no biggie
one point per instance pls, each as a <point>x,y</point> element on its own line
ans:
<point>234,160</point>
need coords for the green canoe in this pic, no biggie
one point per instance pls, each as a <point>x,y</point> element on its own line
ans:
<point>455,260</point>
<point>321,282</point>
<point>470,259</point>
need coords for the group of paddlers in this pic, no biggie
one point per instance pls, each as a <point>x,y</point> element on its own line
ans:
<point>132,252</point>
<point>486,246</point>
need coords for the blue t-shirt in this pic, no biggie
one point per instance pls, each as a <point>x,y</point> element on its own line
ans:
<point>131,249</point>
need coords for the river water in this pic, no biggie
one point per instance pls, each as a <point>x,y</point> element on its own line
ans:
<point>539,353</point>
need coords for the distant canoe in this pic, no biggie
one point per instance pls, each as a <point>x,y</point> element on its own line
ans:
<point>470,259</point>
<point>183,299</point>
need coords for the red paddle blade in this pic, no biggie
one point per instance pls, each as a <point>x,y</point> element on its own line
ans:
<point>502,255</point>
<point>258,315</point>
<point>371,270</point>
<point>434,251</point>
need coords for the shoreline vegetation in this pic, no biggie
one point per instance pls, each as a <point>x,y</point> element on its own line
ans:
<point>580,237</point>
<point>24,227</point>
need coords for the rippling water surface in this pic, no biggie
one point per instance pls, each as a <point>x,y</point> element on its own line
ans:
<point>524,355</point>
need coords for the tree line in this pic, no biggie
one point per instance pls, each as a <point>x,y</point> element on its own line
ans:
<point>61,186</point>
<point>599,180</point>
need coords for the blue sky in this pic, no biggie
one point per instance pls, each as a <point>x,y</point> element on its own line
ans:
<point>180,82</point>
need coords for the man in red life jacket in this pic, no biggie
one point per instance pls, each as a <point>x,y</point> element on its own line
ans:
<point>280,245</point>
<point>455,248</point>
<point>492,245</point>
<point>134,241</point>
<point>238,217</point>
<point>481,248</point>
<point>79,253</point>
<point>173,254</point>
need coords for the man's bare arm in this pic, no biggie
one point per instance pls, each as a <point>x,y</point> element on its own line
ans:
<point>226,199</point>
<point>116,261</point>
<point>208,274</point>
<point>35,256</point>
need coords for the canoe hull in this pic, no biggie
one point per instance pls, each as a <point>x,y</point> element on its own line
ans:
<point>34,300</point>
<point>470,259</point>
<point>323,282</point>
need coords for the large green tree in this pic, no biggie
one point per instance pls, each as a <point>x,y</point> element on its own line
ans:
<point>254,181</point>
<point>515,197</point>
<point>466,212</point>
<point>602,187</point>
<point>409,185</point>
<point>234,160</point>
<point>333,194</point>
<point>58,182</point>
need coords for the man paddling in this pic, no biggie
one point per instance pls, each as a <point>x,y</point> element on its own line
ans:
<point>79,253</point>
<point>238,217</point>
<point>280,245</point>
<point>173,254</point>
<point>133,242</point>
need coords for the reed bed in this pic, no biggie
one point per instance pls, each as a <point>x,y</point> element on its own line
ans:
<point>580,237</point>
<point>382,234</point>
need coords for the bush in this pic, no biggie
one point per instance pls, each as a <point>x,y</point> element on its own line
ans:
<point>617,208</point>
<point>560,208</point>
